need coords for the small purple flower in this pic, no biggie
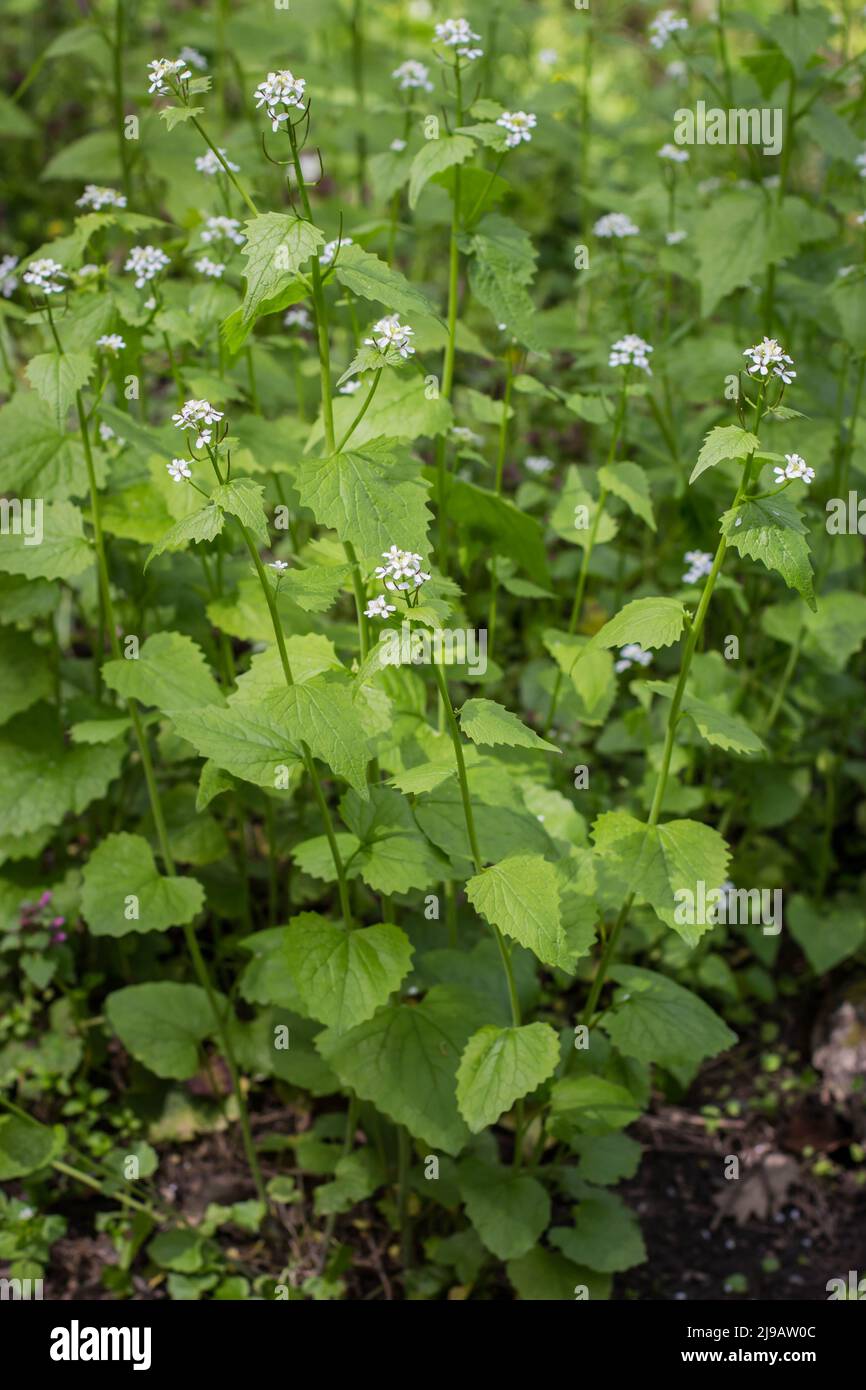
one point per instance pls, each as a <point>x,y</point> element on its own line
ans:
<point>59,935</point>
<point>45,898</point>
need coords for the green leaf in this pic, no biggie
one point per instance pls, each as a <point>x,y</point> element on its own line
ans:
<point>244,739</point>
<point>178,115</point>
<point>591,673</point>
<point>122,867</point>
<point>44,778</point>
<point>605,1235</point>
<point>509,1210</point>
<point>435,156</point>
<point>512,532</point>
<point>162,1025</point>
<point>724,442</point>
<point>593,1104</point>
<point>58,377</point>
<point>365,274</point>
<point>244,499</point>
<point>402,410</point>
<point>38,459</point>
<point>404,1060</point>
<point>520,896</point>
<point>658,862</point>
<point>322,714</point>
<point>25,673</point>
<point>651,622</point>
<point>828,933</point>
<point>629,483</point>
<point>315,589</point>
<point>770,529</point>
<point>391,854</point>
<point>370,497</point>
<point>63,551</point>
<point>25,1147</point>
<point>202,525</point>
<point>276,247</point>
<point>344,976</point>
<point>741,233</point>
<point>716,726</point>
<point>489,723</point>
<point>546,1276</point>
<point>499,1066</point>
<point>656,1020</point>
<point>170,672</point>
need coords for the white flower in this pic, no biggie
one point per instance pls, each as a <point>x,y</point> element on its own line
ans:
<point>795,467</point>
<point>674,238</point>
<point>412,74</point>
<point>632,654</point>
<point>666,22</point>
<point>630,351</point>
<point>8,281</point>
<point>150,303</point>
<point>279,565</point>
<point>45,275</point>
<point>518,124</point>
<point>329,250</point>
<point>674,152</point>
<point>402,571</point>
<point>208,163</point>
<point>547,57</point>
<point>538,464</point>
<point>699,563</point>
<point>179,470</point>
<point>676,69</point>
<point>457,33</point>
<point>845,270</point>
<point>860,219</point>
<point>860,161</point>
<point>161,69</point>
<point>280,89</point>
<point>195,414</point>
<point>223,229</point>
<point>398,146</point>
<point>193,58</point>
<point>111,342</point>
<point>87,272</point>
<point>616,224</point>
<point>465,436</point>
<point>96,197</point>
<point>146,262</point>
<point>106,433</point>
<point>350,387</point>
<point>299,317</point>
<point>212,269</point>
<point>390,333</point>
<point>379,607</point>
<point>766,354</point>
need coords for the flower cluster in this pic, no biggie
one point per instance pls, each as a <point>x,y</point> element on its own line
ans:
<point>38,916</point>
<point>795,467</point>
<point>538,464</point>
<point>208,163</point>
<point>8,281</point>
<point>699,563</point>
<point>630,351</point>
<point>97,197</point>
<point>666,22</point>
<point>179,470</point>
<point>299,317</point>
<point>413,74</point>
<point>632,654</point>
<point>280,89</point>
<point>163,68</point>
<point>111,342</point>
<point>379,607</point>
<point>193,58</point>
<point>45,275</point>
<point>674,238</point>
<point>390,333</point>
<point>223,229</point>
<point>402,570</point>
<point>457,33</point>
<point>329,250</point>
<point>676,153</point>
<point>349,388</point>
<point>461,434</point>
<point>146,262</point>
<point>615,224</point>
<point>212,269</point>
<point>518,124</point>
<point>197,415</point>
<point>767,354</point>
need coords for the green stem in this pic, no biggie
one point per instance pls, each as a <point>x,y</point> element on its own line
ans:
<point>239,188</point>
<point>500,466</point>
<point>448,365</point>
<point>361,413</point>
